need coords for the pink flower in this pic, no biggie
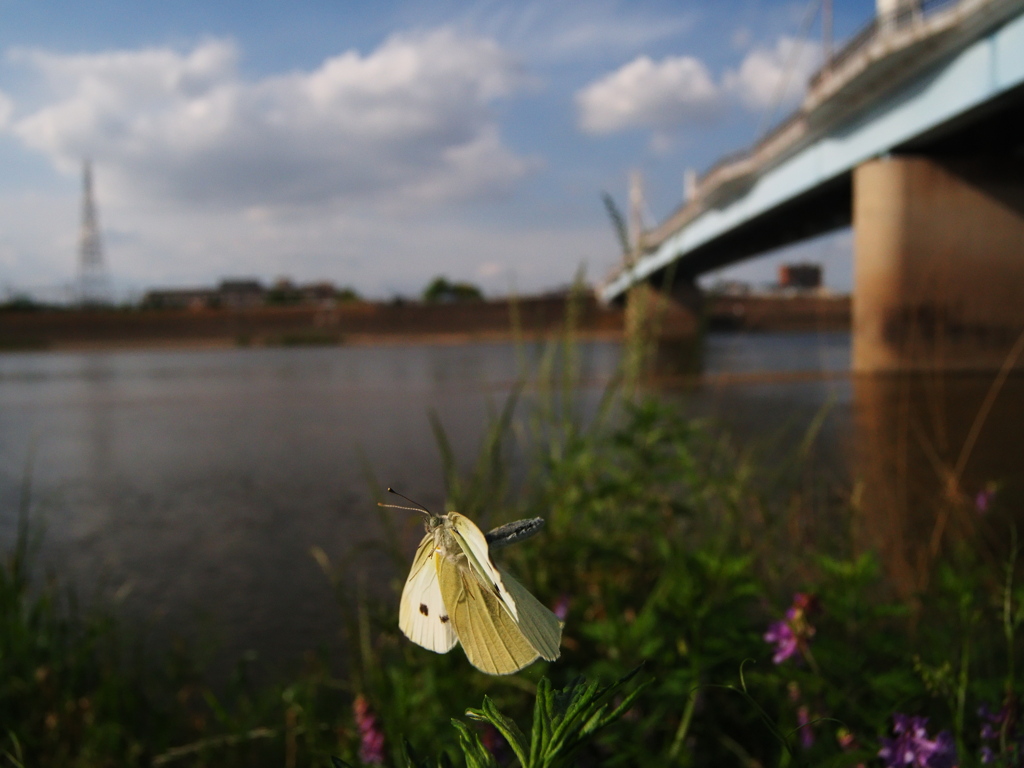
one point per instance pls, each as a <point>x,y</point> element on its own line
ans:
<point>562,608</point>
<point>983,499</point>
<point>803,717</point>
<point>371,738</point>
<point>845,739</point>
<point>793,633</point>
<point>780,633</point>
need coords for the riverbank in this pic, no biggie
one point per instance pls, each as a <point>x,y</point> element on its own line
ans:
<point>798,312</point>
<point>664,546</point>
<point>307,325</point>
<point>366,323</point>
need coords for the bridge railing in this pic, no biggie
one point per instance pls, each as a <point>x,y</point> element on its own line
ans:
<point>734,167</point>
<point>903,16</point>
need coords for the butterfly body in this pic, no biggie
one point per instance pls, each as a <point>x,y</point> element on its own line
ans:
<point>455,594</point>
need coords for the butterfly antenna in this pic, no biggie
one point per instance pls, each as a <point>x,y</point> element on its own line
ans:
<point>418,508</point>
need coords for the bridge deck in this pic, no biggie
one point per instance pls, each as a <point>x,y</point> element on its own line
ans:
<point>902,79</point>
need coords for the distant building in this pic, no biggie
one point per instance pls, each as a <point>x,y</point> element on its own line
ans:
<point>241,294</point>
<point>318,293</point>
<point>247,294</point>
<point>800,276</point>
<point>233,294</point>
<point>731,288</point>
<point>180,298</point>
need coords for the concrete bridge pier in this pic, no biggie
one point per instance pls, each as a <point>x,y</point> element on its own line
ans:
<point>938,263</point>
<point>938,308</point>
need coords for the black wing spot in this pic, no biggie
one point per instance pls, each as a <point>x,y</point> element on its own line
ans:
<point>444,619</point>
<point>424,610</point>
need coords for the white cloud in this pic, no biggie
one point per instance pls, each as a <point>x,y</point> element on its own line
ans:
<point>678,91</point>
<point>6,109</point>
<point>546,32</point>
<point>646,94</point>
<point>774,77</point>
<point>410,121</point>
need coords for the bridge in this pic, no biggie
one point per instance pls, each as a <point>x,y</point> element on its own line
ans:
<point>913,132</point>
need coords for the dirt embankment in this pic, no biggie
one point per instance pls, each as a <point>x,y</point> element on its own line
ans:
<point>356,322</point>
<point>366,323</point>
<point>778,313</point>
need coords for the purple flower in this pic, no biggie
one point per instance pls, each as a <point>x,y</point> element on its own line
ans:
<point>371,738</point>
<point>793,633</point>
<point>780,633</point>
<point>803,717</point>
<point>912,747</point>
<point>995,727</point>
<point>992,722</point>
<point>983,500</point>
<point>562,608</point>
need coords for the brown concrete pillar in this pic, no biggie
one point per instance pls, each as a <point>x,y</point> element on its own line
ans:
<point>938,263</point>
<point>938,307</point>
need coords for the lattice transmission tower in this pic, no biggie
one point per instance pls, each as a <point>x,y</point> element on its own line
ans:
<point>93,280</point>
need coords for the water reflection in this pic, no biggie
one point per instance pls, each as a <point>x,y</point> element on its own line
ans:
<point>202,479</point>
<point>926,446</point>
<point>98,384</point>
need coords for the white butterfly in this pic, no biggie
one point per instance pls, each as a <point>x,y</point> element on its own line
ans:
<point>455,594</point>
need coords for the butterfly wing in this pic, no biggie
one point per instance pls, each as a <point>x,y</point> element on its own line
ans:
<point>539,626</point>
<point>421,613</point>
<point>474,545</point>
<point>492,639</point>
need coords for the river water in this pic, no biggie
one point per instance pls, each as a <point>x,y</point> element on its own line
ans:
<point>189,486</point>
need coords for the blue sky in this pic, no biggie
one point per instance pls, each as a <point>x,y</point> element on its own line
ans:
<point>377,144</point>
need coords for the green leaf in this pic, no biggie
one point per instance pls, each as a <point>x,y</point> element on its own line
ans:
<point>477,755</point>
<point>505,725</point>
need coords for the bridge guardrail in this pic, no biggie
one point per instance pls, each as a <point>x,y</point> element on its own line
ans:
<point>734,166</point>
<point>899,19</point>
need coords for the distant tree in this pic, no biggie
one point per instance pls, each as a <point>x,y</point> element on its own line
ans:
<point>347,294</point>
<point>283,292</point>
<point>440,291</point>
<point>21,303</point>
<point>437,291</point>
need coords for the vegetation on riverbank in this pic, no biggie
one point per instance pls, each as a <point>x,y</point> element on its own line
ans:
<point>765,637</point>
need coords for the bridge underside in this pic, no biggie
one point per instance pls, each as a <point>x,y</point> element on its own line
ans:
<point>824,210</point>
<point>997,130</point>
